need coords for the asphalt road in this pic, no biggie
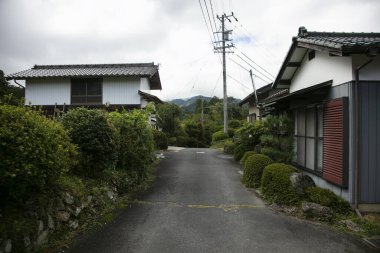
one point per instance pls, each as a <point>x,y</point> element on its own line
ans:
<point>199,205</point>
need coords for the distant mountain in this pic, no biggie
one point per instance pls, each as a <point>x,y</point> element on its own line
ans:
<point>189,104</point>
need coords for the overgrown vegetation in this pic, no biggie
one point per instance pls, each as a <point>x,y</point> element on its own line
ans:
<point>95,138</point>
<point>35,152</point>
<point>193,126</point>
<point>58,176</point>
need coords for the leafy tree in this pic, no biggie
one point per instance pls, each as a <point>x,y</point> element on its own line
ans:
<point>9,94</point>
<point>169,118</point>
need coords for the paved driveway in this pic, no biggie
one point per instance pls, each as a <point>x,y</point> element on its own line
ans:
<point>199,205</point>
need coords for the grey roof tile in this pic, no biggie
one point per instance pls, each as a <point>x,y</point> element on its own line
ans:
<point>87,70</point>
<point>347,42</point>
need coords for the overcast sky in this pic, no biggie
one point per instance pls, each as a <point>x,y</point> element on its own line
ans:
<point>171,33</point>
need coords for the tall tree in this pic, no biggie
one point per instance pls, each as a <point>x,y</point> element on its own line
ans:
<point>8,93</point>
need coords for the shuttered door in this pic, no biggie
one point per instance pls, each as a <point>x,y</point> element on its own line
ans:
<point>335,142</point>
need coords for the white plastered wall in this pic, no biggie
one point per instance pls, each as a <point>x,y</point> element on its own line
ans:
<point>121,91</point>
<point>49,91</point>
<point>321,69</point>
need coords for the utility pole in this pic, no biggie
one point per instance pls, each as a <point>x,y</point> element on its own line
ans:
<point>225,38</point>
<point>254,88</point>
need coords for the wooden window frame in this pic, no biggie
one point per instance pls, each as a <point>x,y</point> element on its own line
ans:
<point>86,96</point>
<point>315,170</point>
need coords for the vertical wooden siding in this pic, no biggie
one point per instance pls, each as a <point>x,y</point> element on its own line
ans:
<point>369,142</point>
<point>335,126</point>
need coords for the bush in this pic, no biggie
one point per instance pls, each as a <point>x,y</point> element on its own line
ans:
<point>160,139</point>
<point>245,156</point>
<point>276,186</point>
<point>327,198</point>
<point>229,147</point>
<point>239,151</point>
<point>234,123</point>
<point>136,142</point>
<point>34,152</point>
<point>248,137</point>
<point>231,132</point>
<point>276,154</point>
<point>219,136</point>
<point>253,169</point>
<point>96,139</point>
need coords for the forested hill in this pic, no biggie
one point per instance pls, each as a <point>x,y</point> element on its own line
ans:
<point>189,104</point>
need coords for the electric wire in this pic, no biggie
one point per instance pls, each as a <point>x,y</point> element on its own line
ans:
<point>208,29</point>
<point>216,84</point>
<point>268,78</point>
<point>209,19</point>
<point>254,62</point>
<point>248,70</point>
<point>233,78</point>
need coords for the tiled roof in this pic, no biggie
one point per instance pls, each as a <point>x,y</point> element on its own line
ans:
<point>87,70</point>
<point>343,42</point>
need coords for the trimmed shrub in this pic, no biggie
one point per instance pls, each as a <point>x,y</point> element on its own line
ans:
<point>96,139</point>
<point>34,152</point>
<point>231,132</point>
<point>136,142</point>
<point>276,154</point>
<point>160,139</point>
<point>239,151</point>
<point>219,136</point>
<point>327,198</point>
<point>234,123</point>
<point>276,186</point>
<point>253,169</point>
<point>229,147</point>
<point>245,156</point>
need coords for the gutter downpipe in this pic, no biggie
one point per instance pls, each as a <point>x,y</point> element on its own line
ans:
<point>356,203</point>
<point>14,80</point>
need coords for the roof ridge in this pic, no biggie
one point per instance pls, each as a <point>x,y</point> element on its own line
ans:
<point>113,65</point>
<point>303,32</point>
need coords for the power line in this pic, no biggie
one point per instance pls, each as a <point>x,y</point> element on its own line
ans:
<point>233,78</point>
<point>213,17</point>
<point>204,17</point>
<point>247,70</point>
<point>216,84</point>
<point>270,79</point>
<point>209,19</point>
<point>254,62</point>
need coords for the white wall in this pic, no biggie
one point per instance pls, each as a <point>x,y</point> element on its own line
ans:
<point>370,72</point>
<point>47,91</point>
<point>321,69</point>
<point>121,90</point>
<point>144,84</point>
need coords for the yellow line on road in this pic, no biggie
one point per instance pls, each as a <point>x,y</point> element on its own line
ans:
<point>224,207</point>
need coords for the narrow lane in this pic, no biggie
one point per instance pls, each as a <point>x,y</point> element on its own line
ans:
<point>199,205</point>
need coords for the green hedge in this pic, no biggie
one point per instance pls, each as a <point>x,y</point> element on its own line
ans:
<point>239,151</point>
<point>160,139</point>
<point>96,139</point>
<point>276,186</point>
<point>245,156</point>
<point>136,142</point>
<point>219,136</point>
<point>327,198</point>
<point>253,169</point>
<point>34,152</point>
<point>229,147</point>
